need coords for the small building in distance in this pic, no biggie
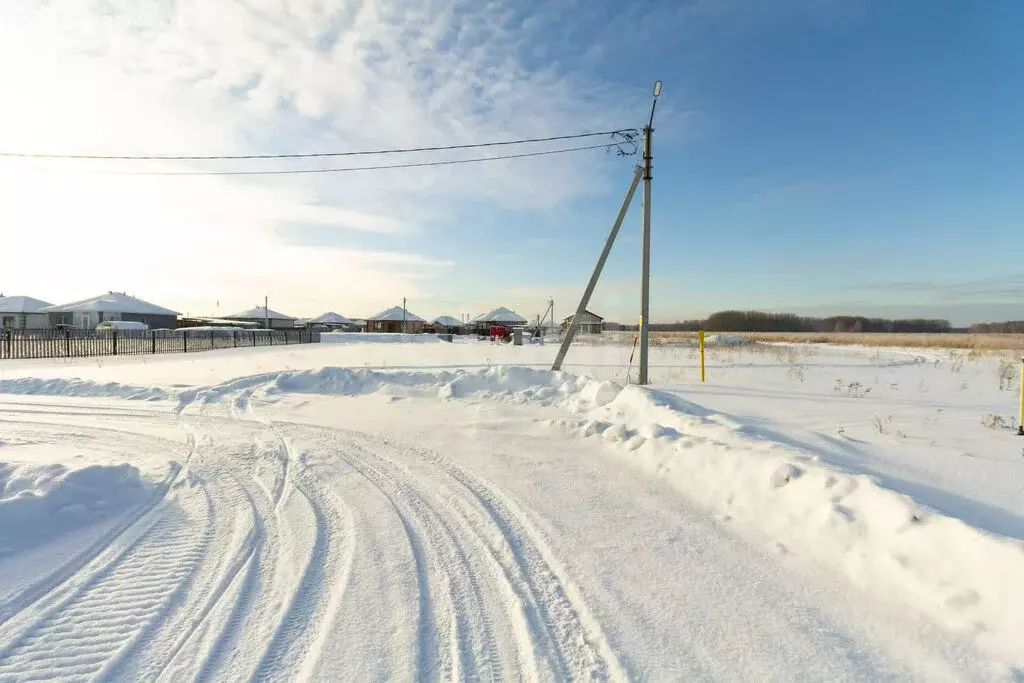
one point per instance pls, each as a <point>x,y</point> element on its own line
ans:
<point>88,313</point>
<point>589,323</point>
<point>445,324</point>
<point>395,319</point>
<point>23,313</point>
<point>499,317</point>
<point>332,321</point>
<point>264,317</point>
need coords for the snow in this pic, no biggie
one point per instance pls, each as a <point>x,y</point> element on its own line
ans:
<point>370,510</point>
<point>397,313</point>
<point>40,502</point>
<point>22,304</point>
<point>447,321</point>
<point>330,318</point>
<point>112,302</point>
<point>259,313</point>
<point>716,339</point>
<point>370,338</point>
<point>501,315</point>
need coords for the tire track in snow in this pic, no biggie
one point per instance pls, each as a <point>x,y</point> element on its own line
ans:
<point>99,626</point>
<point>560,627</point>
<point>302,627</point>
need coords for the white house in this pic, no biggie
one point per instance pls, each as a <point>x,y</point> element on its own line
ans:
<point>330,319</point>
<point>88,313</point>
<point>23,313</point>
<point>264,316</point>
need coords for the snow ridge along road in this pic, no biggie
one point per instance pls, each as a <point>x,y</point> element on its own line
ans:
<point>319,525</point>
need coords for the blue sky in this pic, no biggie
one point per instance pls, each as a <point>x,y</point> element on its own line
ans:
<point>820,156</point>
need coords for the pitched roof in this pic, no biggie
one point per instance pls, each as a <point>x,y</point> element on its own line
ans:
<point>21,304</point>
<point>446,321</point>
<point>112,302</point>
<point>259,313</point>
<point>500,315</point>
<point>330,318</point>
<point>397,313</point>
<point>593,316</point>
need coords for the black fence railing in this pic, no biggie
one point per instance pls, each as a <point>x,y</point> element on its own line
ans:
<point>71,343</point>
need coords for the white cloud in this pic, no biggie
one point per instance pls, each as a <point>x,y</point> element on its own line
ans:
<point>267,76</point>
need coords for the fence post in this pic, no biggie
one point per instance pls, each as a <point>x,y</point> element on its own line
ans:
<point>7,342</point>
<point>67,342</point>
<point>184,341</point>
<point>254,337</point>
<point>234,337</point>
<point>152,333</point>
<point>115,340</point>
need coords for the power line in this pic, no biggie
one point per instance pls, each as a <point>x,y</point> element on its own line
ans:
<point>348,169</point>
<point>627,134</point>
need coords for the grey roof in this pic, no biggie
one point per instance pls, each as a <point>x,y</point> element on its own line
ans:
<point>501,315</point>
<point>259,313</point>
<point>396,313</point>
<point>112,302</point>
<point>22,304</point>
<point>446,321</point>
<point>330,318</point>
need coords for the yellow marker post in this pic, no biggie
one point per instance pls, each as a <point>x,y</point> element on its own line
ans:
<point>1020,413</point>
<point>700,336</point>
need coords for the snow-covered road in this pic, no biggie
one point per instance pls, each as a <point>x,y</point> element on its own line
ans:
<point>349,525</point>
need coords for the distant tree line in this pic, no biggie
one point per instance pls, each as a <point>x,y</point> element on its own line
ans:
<point>1008,327</point>
<point>759,321</point>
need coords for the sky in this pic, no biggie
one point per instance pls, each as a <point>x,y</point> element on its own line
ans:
<point>815,156</point>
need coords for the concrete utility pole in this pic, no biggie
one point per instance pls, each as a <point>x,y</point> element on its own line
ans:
<point>266,312</point>
<point>585,300</point>
<point>403,315</point>
<point>645,274</point>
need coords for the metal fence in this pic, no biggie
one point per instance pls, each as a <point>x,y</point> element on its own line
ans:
<point>71,343</point>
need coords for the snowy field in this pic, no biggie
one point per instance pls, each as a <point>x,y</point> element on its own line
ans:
<point>414,510</point>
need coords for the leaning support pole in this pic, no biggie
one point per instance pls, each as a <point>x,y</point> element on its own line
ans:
<point>595,276</point>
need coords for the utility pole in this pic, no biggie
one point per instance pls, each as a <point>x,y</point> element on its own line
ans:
<point>266,312</point>
<point>645,269</point>
<point>403,315</point>
<point>554,328</point>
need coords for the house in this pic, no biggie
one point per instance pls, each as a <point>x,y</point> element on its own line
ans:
<point>395,319</point>
<point>23,313</point>
<point>499,317</point>
<point>88,313</point>
<point>589,323</point>
<point>265,318</point>
<point>331,320</point>
<point>445,324</point>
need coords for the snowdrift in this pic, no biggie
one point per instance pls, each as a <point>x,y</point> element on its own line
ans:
<point>965,578</point>
<point>768,488</point>
<point>80,388</point>
<point>41,502</point>
<point>367,338</point>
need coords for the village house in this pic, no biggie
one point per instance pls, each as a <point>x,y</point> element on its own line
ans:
<point>589,323</point>
<point>445,324</point>
<point>23,313</point>
<point>265,318</point>
<point>395,319</point>
<point>499,317</point>
<point>88,313</point>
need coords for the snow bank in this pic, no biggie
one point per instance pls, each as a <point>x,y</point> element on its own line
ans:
<point>966,579</point>
<point>516,384</point>
<point>79,387</point>
<point>41,502</point>
<point>721,339</point>
<point>367,338</point>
